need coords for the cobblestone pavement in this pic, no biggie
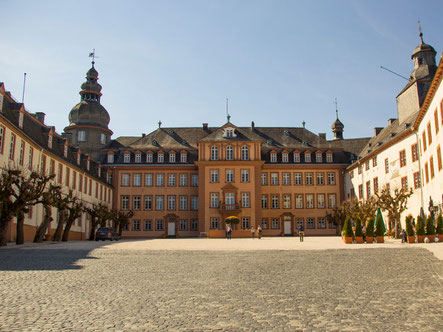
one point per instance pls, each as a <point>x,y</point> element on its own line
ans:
<point>144,290</point>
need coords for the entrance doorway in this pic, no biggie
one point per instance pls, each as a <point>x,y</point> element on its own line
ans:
<point>171,228</point>
<point>287,225</point>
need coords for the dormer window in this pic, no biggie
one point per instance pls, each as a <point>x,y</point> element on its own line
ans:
<point>285,157</point>
<point>110,158</point>
<point>50,141</point>
<point>149,157</point>
<point>183,157</point>
<point>20,119</point>
<point>329,157</point>
<point>160,157</point>
<point>172,157</point>
<point>273,157</point>
<point>296,157</point>
<point>138,157</point>
<point>318,157</point>
<point>229,132</point>
<point>127,158</point>
<point>307,157</point>
<point>81,136</point>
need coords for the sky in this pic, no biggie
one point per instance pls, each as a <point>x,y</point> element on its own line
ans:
<point>279,62</point>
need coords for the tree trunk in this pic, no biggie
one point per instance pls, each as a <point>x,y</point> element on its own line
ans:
<point>42,228</point>
<point>67,229</point>
<point>20,236</point>
<point>92,233</point>
<point>59,230</point>
<point>4,222</point>
<point>120,230</point>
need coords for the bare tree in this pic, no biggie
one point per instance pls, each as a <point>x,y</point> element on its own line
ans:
<point>99,213</point>
<point>75,209</point>
<point>121,219</point>
<point>47,200</point>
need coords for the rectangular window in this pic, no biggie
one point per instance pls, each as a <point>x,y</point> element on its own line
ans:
<point>194,203</point>
<point>286,179</point>
<point>318,158</point>
<point>244,175</point>
<point>245,200</point>
<point>307,157</point>
<point>402,158</point>
<point>214,175</point>
<point>183,180</point>
<point>264,179</point>
<point>367,166</point>
<point>375,185</point>
<point>74,179</point>
<point>125,180</point>
<point>296,157</point>
<point>331,178</point>
<point>404,183</point>
<point>138,158</point>
<point>159,225</point>
<point>309,201</point>
<point>284,158</point>
<point>351,174</point>
<point>321,222</point>
<point>183,157</point>
<point>171,203</point>
<point>429,134</point>
<point>148,179</point>
<point>183,224</point>
<point>264,223</point>
<point>424,140</point>
<point>311,223</point>
<point>320,178</point>
<point>12,148</point>
<point>214,200</point>
<point>60,175</point>
<point>299,222</point>
<point>273,157</point>
<point>286,201</point>
<point>245,224</point>
<point>110,158</point>
<point>299,201</point>
<point>414,152</point>
<point>136,202</point>
<point>160,158</point>
<point>21,157</point>
<point>171,157</point>
<point>274,179</point>
<point>329,158</point>
<point>125,202</point>
<point>148,202</point>
<point>274,201</point>
<point>298,180</point>
<point>214,223</point>
<point>275,223</point>
<point>81,136</point>
<point>417,180</point>
<point>137,180</point>
<point>431,166</point>
<point>426,172</point>
<point>309,179</point>
<point>194,224</point>
<point>127,158</point>
<point>360,169</point>
<point>264,201</point>
<point>148,225</point>
<point>229,175</point>
<point>149,158</point>
<point>68,176</point>
<point>160,180</point>
<point>183,203</point>
<point>194,180</point>
<point>368,189</point>
<point>171,180</point>
<point>374,161</point>
<point>332,201</point>
<point>159,202</point>
<point>321,201</point>
<point>230,199</point>
<point>439,164</point>
<point>386,166</point>
<point>360,191</point>
<point>2,138</point>
<point>136,225</point>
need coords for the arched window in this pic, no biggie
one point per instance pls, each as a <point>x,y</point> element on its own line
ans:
<point>244,153</point>
<point>229,153</point>
<point>214,153</point>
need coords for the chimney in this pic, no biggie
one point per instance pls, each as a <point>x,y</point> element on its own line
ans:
<point>391,121</point>
<point>322,135</point>
<point>40,117</point>
<point>377,130</point>
<point>143,134</point>
<point>205,126</point>
<point>252,125</point>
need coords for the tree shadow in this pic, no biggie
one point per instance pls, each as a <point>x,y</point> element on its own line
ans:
<point>42,259</point>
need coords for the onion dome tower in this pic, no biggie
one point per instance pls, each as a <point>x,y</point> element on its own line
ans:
<point>411,98</point>
<point>88,120</point>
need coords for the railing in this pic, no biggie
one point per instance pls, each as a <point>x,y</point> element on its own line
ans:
<point>229,207</point>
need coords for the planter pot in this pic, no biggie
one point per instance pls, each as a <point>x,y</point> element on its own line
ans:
<point>359,239</point>
<point>48,237</point>
<point>411,239</point>
<point>431,238</point>
<point>440,237</point>
<point>369,239</point>
<point>347,239</point>
<point>380,239</point>
<point>421,238</point>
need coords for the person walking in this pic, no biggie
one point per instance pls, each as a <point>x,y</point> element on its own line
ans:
<point>259,232</point>
<point>252,231</point>
<point>228,232</point>
<point>301,232</point>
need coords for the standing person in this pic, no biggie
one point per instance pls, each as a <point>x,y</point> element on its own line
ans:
<point>228,232</point>
<point>301,232</point>
<point>252,231</point>
<point>259,232</point>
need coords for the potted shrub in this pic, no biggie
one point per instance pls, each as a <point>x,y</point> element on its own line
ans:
<point>348,234</point>
<point>420,230</point>
<point>358,232</point>
<point>440,228</point>
<point>410,234</point>
<point>379,231</point>
<point>370,231</point>
<point>430,229</point>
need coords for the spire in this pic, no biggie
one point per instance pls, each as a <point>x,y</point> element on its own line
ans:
<point>91,88</point>
<point>421,32</point>
<point>337,126</point>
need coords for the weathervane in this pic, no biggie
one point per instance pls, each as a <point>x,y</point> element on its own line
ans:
<point>159,123</point>
<point>92,55</point>
<point>421,32</point>
<point>336,108</point>
<point>227,109</point>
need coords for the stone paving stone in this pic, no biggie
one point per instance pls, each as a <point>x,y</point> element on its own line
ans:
<point>127,290</point>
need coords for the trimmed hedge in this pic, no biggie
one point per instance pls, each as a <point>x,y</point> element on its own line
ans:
<point>409,228</point>
<point>370,227</point>
<point>358,230</point>
<point>379,227</point>
<point>440,225</point>
<point>420,226</point>
<point>347,228</point>
<point>430,228</point>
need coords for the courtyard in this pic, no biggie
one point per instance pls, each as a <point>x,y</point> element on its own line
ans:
<point>202,284</point>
